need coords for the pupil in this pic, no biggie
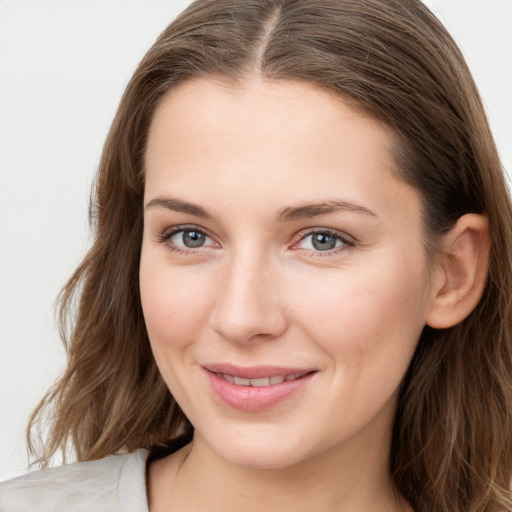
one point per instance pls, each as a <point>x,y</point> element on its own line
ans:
<point>323,242</point>
<point>193,238</point>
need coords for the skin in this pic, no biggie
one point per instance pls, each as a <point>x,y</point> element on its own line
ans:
<point>259,292</point>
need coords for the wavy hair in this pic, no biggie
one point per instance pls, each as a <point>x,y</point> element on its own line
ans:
<point>393,60</point>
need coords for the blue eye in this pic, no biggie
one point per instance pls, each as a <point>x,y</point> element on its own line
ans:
<point>189,238</point>
<point>183,239</point>
<point>324,241</point>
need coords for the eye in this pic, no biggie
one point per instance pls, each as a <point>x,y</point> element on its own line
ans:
<point>186,239</point>
<point>324,241</point>
<point>190,238</point>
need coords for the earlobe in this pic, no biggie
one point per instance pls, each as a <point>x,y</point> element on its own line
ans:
<point>461,272</point>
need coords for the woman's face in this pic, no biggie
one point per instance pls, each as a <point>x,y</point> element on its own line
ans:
<point>283,276</point>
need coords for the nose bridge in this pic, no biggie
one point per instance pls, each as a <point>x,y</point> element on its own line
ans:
<point>247,303</point>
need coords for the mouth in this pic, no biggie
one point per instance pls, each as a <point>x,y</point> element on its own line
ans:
<point>256,388</point>
<point>262,381</point>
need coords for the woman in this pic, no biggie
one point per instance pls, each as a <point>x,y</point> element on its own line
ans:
<point>299,291</point>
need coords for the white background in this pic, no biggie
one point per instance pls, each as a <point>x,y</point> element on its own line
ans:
<point>63,67</point>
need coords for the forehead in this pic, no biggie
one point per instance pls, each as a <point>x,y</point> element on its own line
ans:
<point>268,136</point>
<point>260,108</point>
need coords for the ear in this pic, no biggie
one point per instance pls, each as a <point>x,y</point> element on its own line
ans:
<point>461,273</point>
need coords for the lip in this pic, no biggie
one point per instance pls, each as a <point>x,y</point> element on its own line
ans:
<point>254,399</point>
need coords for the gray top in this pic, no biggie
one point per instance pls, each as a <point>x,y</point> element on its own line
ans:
<point>112,484</point>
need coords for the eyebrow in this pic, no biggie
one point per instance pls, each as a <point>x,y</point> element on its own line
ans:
<point>180,206</point>
<point>309,211</point>
<point>287,214</point>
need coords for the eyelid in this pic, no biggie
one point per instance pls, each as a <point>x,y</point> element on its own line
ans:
<point>171,231</point>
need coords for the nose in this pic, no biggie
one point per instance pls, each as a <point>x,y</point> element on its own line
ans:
<point>249,303</point>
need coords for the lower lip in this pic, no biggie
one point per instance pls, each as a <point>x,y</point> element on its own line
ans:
<point>254,398</point>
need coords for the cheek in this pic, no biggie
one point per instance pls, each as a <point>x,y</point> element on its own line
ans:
<point>359,314</point>
<point>175,304</point>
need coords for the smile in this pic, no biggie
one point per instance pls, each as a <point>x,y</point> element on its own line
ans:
<point>260,382</point>
<point>257,388</point>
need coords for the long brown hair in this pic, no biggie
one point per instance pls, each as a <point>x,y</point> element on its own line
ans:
<point>393,60</point>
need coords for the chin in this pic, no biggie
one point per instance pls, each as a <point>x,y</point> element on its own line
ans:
<point>263,449</point>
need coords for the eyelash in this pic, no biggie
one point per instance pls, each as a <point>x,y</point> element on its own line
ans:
<point>167,235</point>
<point>347,241</point>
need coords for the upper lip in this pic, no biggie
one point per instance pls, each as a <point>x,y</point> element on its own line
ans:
<point>255,372</point>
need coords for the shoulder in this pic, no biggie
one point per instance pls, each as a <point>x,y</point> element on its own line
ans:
<point>113,484</point>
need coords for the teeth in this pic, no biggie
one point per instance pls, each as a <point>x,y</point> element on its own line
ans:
<point>264,381</point>
<point>293,377</point>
